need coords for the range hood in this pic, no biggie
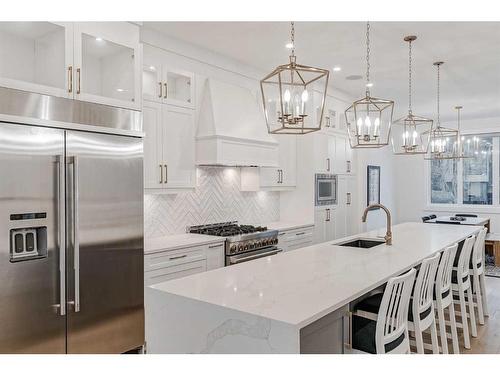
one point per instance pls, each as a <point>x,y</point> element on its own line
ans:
<point>231,128</point>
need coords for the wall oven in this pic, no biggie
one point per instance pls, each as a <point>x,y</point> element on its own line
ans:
<point>325,189</point>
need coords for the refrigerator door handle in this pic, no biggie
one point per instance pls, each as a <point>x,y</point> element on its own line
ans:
<point>76,239</point>
<point>62,236</point>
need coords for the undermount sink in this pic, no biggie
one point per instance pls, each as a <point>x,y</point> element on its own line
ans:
<point>362,243</point>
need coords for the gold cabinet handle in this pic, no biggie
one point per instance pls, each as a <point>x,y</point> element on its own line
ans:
<point>166,173</point>
<point>70,78</point>
<point>161,174</point>
<point>328,164</point>
<point>160,95</point>
<point>78,82</point>
<point>165,93</point>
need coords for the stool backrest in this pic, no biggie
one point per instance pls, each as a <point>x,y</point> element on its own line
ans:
<point>478,250</point>
<point>424,286</point>
<point>445,269</point>
<point>464,259</point>
<point>392,321</point>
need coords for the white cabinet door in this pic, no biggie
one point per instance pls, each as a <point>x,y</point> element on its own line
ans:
<point>270,177</point>
<point>153,157</point>
<point>324,224</point>
<point>108,62</point>
<point>353,216</point>
<point>178,147</point>
<point>324,152</point>
<point>152,65</point>
<point>178,87</point>
<point>340,155</point>
<point>215,256</point>
<point>37,57</point>
<point>288,160</point>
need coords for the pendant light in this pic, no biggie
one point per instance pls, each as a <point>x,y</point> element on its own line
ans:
<point>410,134</point>
<point>444,142</point>
<point>466,148</point>
<point>287,95</point>
<point>369,119</point>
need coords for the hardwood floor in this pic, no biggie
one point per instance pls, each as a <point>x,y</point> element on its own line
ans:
<point>488,336</point>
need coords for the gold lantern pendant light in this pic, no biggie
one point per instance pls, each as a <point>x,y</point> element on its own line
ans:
<point>444,142</point>
<point>410,134</point>
<point>369,119</point>
<point>287,96</point>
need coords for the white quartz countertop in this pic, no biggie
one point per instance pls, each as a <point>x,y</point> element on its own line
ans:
<point>301,286</point>
<point>178,241</point>
<point>288,225</point>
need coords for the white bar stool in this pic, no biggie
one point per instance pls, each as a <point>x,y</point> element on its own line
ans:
<point>460,283</point>
<point>443,298</point>
<point>380,322</point>
<point>476,271</point>
<point>421,314</point>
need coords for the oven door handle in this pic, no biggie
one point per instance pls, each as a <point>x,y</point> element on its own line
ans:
<point>250,257</point>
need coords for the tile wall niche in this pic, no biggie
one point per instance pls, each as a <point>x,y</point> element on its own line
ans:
<point>217,198</point>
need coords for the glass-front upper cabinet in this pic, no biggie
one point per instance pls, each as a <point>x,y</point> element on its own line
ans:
<point>178,87</point>
<point>37,57</point>
<point>152,85</point>
<point>108,63</point>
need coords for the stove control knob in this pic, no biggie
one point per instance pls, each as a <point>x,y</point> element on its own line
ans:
<point>275,241</point>
<point>258,244</point>
<point>252,245</point>
<point>232,249</point>
<point>245,247</point>
<point>240,247</point>
<point>264,243</point>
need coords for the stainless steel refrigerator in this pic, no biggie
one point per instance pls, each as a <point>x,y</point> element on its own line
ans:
<point>71,235</point>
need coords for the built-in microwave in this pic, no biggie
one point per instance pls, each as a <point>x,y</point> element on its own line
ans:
<point>325,188</point>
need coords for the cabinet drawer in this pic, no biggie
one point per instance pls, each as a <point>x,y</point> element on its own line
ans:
<point>301,234</point>
<point>174,272</point>
<point>174,257</point>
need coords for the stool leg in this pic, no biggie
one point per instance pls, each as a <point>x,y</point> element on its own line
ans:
<point>465,325</point>
<point>434,338</point>
<point>454,334</point>
<point>479,300</point>
<point>483,291</point>
<point>419,339</point>
<point>442,328</point>
<point>472,314</point>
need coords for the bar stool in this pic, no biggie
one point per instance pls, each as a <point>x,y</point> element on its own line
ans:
<point>443,298</point>
<point>421,315</point>
<point>476,271</point>
<point>460,283</point>
<point>380,322</point>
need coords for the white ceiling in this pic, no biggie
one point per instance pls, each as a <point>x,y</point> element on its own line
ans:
<point>469,77</point>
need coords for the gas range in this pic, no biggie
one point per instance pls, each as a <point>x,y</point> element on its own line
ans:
<point>243,242</point>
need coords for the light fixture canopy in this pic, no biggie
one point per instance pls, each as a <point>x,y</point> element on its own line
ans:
<point>444,142</point>
<point>410,134</point>
<point>369,119</point>
<point>287,96</point>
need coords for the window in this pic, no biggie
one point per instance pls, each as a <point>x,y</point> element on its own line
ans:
<point>444,181</point>
<point>478,172</point>
<point>470,180</point>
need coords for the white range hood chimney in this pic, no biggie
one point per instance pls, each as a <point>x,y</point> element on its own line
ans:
<point>231,129</point>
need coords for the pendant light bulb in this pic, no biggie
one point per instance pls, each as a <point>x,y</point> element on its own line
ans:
<point>305,96</point>
<point>287,96</point>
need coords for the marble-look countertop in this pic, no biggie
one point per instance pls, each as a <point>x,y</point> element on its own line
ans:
<point>299,287</point>
<point>178,241</point>
<point>289,225</point>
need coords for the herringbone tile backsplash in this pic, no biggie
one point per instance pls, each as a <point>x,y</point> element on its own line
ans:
<point>217,198</point>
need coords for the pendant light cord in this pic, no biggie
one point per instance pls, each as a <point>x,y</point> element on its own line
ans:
<point>438,94</point>
<point>367,58</point>
<point>409,77</point>
<point>292,38</point>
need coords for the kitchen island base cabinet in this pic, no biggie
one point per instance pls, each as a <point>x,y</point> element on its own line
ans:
<point>212,329</point>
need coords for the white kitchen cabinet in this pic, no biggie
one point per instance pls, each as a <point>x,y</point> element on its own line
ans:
<point>107,63</point>
<point>165,83</point>
<point>282,177</point>
<point>91,61</point>
<point>171,264</point>
<point>324,224</point>
<point>37,57</point>
<point>324,152</point>
<point>169,149</point>
<point>343,156</point>
<point>347,217</point>
<point>296,238</point>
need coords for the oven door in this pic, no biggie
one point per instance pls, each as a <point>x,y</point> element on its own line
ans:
<point>326,190</point>
<point>251,255</point>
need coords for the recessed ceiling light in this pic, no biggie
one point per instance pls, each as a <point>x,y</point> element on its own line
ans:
<point>337,68</point>
<point>120,90</point>
<point>98,39</point>
<point>289,45</point>
<point>152,67</point>
<point>369,84</point>
<point>354,77</point>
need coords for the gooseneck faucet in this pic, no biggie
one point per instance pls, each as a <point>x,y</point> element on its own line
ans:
<point>388,234</point>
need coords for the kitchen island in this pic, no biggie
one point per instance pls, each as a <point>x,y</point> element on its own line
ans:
<point>288,303</point>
